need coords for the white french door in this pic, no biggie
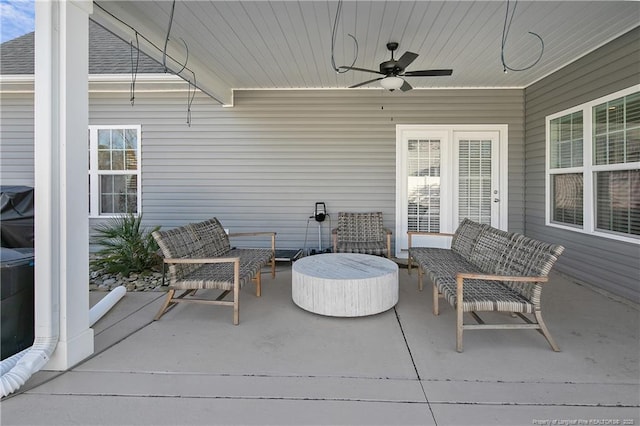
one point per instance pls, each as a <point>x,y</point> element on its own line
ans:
<point>447,173</point>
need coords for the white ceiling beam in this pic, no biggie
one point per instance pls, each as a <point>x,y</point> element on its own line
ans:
<point>121,17</point>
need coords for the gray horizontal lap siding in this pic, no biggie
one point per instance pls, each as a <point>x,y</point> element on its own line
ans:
<point>263,164</point>
<point>16,139</point>
<point>606,263</point>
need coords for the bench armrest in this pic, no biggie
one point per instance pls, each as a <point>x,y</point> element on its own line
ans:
<point>257,234</point>
<point>442,234</point>
<point>204,260</point>
<point>251,234</point>
<point>492,277</point>
<point>410,234</point>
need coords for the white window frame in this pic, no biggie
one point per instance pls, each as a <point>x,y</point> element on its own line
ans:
<point>94,172</point>
<point>588,170</point>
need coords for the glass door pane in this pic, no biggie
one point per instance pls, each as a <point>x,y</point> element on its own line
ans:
<point>423,185</point>
<point>477,180</point>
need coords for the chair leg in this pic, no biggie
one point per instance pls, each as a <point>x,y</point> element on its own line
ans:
<point>389,246</point>
<point>165,305</point>
<point>545,331</point>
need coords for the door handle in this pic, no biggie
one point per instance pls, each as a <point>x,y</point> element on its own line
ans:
<point>496,200</point>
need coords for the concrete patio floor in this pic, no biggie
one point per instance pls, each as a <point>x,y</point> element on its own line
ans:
<point>283,365</point>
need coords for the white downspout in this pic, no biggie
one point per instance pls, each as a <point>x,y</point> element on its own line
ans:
<point>17,369</point>
<point>26,364</point>
<point>105,304</point>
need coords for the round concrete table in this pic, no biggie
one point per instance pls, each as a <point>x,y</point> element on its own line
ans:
<point>344,284</point>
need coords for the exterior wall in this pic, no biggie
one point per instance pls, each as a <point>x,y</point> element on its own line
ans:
<point>16,139</point>
<point>602,262</point>
<point>263,164</point>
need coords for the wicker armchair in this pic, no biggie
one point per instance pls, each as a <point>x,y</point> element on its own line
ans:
<point>361,233</point>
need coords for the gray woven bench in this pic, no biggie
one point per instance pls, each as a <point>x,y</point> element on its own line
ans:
<point>487,269</point>
<point>200,257</point>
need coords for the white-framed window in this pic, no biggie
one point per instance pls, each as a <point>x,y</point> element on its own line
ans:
<point>114,170</point>
<point>593,167</point>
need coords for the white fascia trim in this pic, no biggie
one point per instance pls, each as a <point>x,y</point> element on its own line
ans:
<point>98,77</point>
<point>139,77</point>
<point>105,83</point>
<point>9,78</point>
<point>18,83</point>
<point>145,83</point>
<point>380,88</point>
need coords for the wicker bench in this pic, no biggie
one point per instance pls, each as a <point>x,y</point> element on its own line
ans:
<point>487,269</point>
<point>200,257</point>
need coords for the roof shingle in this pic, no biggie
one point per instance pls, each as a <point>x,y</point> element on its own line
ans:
<point>108,54</point>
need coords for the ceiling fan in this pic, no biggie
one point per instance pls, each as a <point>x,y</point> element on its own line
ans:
<point>393,71</point>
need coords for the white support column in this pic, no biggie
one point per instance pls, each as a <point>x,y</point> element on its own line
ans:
<point>61,187</point>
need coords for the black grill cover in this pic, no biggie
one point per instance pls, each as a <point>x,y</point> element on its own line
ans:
<point>16,216</point>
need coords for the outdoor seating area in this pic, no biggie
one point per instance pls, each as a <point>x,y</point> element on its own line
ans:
<point>200,257</point>
<point>166,144</point>
<point>285,365</point>
<point>503,272</point>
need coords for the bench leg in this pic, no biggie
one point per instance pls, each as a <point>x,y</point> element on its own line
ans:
<point>258,279</point>
<point>436,300</point>
<point>409,265</point>
<point>545,331</point>
<point>165,305</point>
<point>236,307</point>
<point>459,330</point>
<point>273,267</point>
<point>420,276</point>
<point>459,313</point>
<point>236,292</point>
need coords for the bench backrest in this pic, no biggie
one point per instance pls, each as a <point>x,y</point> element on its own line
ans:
<point>466,236</point>
<point>195,240</point>
<point>212,236</point>
<point>509,253</point>
<point>360,227</point>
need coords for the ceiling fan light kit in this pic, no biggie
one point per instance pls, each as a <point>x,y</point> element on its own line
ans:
<point>391,82</point>
<point>393,71</point>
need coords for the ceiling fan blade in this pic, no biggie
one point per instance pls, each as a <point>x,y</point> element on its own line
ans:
<point>406,59</point>
<point>405,86</point>
<point>365,82</point>
<point>427,73</point>
<point>361,69</point>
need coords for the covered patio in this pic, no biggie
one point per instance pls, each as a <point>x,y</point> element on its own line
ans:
<point>283,365</point>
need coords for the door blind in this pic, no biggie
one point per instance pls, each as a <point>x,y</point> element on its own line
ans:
<point>474,180</point>
<point>424,185</point>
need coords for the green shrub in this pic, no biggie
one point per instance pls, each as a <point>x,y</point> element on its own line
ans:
<point>125,246</point>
